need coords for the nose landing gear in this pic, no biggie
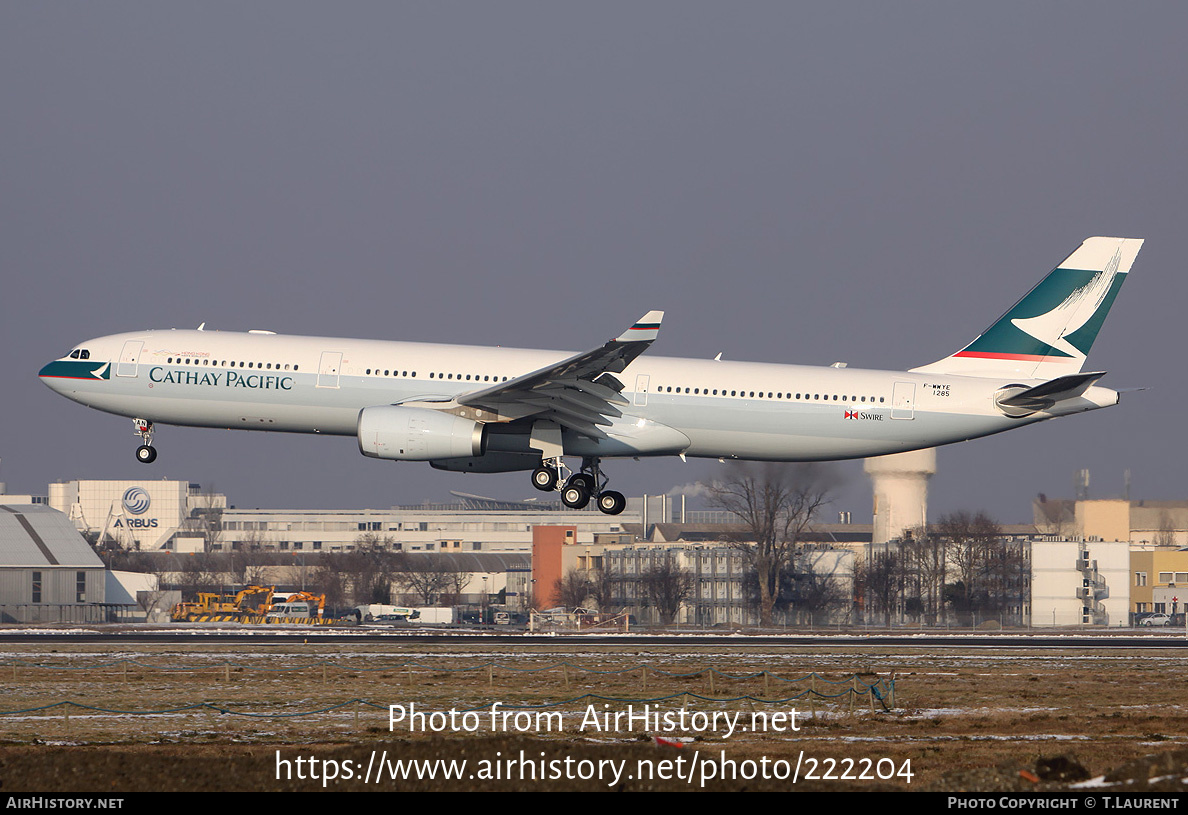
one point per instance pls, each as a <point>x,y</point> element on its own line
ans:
<point>145,453</point>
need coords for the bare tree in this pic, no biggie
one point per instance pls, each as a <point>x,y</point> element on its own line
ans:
<point>206,518</point>
<point>973,541</point>
<point>1165,537</point>
<point>816,589</point>
<point>370,568</point>
<point>572,590</point>
<point>666,586</point>
<point>879,580</point>
<point>776,503</point>
<point>253,563</point>
<point>198,572</point>
<point>602,588</point>
<point>925,564</point>
<point>431,578</point>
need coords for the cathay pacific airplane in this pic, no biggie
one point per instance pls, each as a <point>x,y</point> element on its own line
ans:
<point>479,409</point>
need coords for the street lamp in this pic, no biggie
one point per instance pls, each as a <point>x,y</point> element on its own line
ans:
<point>483,601</point>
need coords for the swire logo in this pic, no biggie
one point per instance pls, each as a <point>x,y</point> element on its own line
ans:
<point>864,416</point>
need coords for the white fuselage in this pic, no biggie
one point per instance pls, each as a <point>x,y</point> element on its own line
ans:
<point>718,409</point>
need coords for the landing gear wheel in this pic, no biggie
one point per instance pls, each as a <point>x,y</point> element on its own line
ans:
<point>544,479</point>
<point>583,480</point>
<point>146,454</point>
<point>611,502</point>
<point>575,497</point>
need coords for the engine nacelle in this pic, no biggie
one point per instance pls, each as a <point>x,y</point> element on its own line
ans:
<point>416,434</point>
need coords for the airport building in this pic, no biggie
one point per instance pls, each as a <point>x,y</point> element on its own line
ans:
<point>146,515</point>
<point>1160,584</point>
<point>1077,576</point>
<point>179,516</point>
<point>48,572</point>
<point>1159,524</point>
<point>1078,582</point>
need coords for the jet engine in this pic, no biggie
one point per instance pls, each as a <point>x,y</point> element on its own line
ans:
<point>417,434</point>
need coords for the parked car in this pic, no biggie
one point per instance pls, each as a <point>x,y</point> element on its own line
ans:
<point>1156,619</point>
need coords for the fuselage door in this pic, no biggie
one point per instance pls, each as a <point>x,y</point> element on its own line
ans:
<point>641,390</point>
<point>328,369</point>
<point>129,357</point>
<point>903,400</point>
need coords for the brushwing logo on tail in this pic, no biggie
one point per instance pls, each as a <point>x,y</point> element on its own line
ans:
<point>1058,319</point>
<point>1056,326</point>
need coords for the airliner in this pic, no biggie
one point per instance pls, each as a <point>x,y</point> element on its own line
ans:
<point>483,409</point>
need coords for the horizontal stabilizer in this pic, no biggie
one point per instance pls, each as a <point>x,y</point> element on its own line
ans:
<point>1042,397</point>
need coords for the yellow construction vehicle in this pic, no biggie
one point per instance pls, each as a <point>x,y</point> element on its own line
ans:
<point>249,605</point>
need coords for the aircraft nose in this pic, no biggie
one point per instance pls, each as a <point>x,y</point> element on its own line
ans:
<point>50,376</point>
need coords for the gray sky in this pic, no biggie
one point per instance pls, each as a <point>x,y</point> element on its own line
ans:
<point>866,182</point>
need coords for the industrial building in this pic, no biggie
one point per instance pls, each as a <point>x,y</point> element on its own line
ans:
<point>179,516</point>
<point>48,573</point>
<point>1090,562</point>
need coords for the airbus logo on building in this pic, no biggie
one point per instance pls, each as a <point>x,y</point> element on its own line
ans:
<point>136,500</point>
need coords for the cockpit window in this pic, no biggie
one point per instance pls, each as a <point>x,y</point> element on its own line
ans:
<point>74,354</point>
<point>84,354</point>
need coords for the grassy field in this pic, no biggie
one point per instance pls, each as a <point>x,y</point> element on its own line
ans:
<point>219,717</point>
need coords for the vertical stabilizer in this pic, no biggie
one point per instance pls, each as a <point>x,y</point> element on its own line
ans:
<point>1049,332</point>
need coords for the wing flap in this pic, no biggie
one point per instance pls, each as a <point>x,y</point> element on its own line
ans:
<point>567,390</point>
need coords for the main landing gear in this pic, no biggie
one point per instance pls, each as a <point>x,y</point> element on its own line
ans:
<point>579,488</point>
<point>145,453</point>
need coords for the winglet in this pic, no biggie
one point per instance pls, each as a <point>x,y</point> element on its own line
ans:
<point>646,328</point>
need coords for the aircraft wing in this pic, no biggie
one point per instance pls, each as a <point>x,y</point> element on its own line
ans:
<point>581,392</point>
